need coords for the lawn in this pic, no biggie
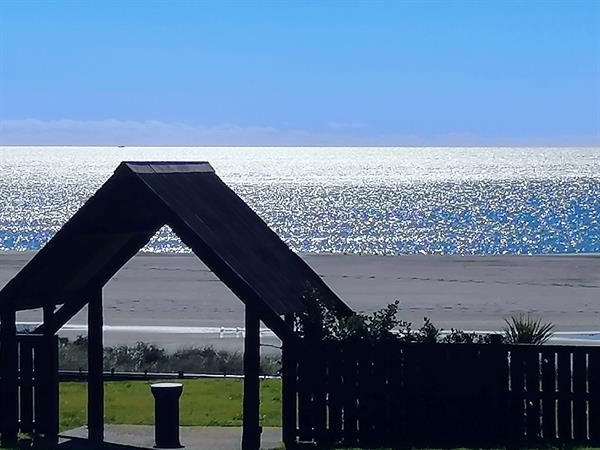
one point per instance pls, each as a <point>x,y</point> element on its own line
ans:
<point>203,402</point>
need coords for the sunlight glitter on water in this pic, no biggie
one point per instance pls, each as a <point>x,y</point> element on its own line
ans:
<point>354,200</point>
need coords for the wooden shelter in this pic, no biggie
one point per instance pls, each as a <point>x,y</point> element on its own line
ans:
<point>113,225</point>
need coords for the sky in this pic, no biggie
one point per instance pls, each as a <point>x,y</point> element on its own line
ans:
<point>374,73</point>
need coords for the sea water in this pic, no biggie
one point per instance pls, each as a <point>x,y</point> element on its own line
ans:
<point>393,201</point>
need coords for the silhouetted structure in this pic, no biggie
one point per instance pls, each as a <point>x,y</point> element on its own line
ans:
<point>395,394</point>
<point>112,226</point>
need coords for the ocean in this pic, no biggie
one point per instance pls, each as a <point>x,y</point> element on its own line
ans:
<point>385,201</point>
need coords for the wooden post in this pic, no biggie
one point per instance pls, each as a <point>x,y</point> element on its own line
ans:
<point>48,361</point>
<point>26,391</point>
<point>251,429</point>
<point>9,411</point>
<point>53,388</point>
<point>288,391</point>
<point>95,376</point>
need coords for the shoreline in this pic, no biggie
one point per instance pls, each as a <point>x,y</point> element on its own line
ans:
<point>156,291</point>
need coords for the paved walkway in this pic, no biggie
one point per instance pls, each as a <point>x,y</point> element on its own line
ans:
<point>130,437</point>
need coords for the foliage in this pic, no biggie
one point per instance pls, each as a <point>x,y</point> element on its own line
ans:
<point>148,357</point>
<point>379,325</point>
<point>428,333</point>
<point>318,323</point>
<point>140,357</point>
<point>72,355</point>
<point>523,329</point>
<point>462,337</point>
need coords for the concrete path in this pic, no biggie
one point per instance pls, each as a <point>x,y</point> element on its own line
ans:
<point>130,437</point>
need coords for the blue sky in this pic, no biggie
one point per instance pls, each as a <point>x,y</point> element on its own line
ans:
<point>300,73</point>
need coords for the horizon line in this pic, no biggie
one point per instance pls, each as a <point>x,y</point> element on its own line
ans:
<point>298,146</point>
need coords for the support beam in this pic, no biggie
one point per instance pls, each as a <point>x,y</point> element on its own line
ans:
<point>251,429</point>
<point>95,377</point>
<point>54,321</point>
<point>48,312</point>
<point>9,418</point>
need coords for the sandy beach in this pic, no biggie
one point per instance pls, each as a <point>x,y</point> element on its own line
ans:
<point>175,301</point>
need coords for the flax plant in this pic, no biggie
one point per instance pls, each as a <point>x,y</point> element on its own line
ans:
<point>523,329</point>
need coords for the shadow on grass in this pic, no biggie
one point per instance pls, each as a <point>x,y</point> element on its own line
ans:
<point>82,443</point>
<point>75,443</point>
<point>72,443</point>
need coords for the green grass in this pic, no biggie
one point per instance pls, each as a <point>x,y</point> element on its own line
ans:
<point>207,402</point>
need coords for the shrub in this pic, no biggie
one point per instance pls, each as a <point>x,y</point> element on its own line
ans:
<point>143,356</point>
<point>428,333</point>
<point>462,337</point>
<point>527,330</point>
<point>318,323</point>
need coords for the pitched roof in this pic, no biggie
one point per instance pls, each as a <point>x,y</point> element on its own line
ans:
<point>139,198</point>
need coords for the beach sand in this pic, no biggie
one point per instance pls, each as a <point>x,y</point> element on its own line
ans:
<point>175,301</point>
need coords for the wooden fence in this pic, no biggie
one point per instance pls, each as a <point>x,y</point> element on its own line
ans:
<point>38,385</point>
<point>482,395</point>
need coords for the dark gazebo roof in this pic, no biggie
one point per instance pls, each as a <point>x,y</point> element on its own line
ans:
<point>141,197</point>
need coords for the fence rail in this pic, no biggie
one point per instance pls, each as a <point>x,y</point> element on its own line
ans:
<point>82,375</point>
<point>393,393</point>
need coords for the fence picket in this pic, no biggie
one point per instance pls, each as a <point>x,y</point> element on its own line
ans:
<point>350,394</point>
<point>594,396</point>
<point>304,386</point>
<point>564,396</point>
<point>364,381</point>
<point>318,377</point>
<point>580,419</point>
<point>397,422</point>
<point>549,395</point>
<point>517,397</point>
<point>334,393</point>
<point>532,386</point>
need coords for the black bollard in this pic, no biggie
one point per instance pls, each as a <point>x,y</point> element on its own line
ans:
<point>166,414</point>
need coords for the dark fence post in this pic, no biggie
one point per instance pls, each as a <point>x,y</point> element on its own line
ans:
<point>594,391</point>
<point>288,388</point>
<point>53,386</point>
<point>564,390</point>
<point>580,403</point>
<point>9,424</point>
<point>251,427</point>
<point>46,388</point>
<point>549,395</point>
<point>95,375</point>
<point>26,384</point>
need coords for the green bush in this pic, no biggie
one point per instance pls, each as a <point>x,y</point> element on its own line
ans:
<point>523,329</point>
